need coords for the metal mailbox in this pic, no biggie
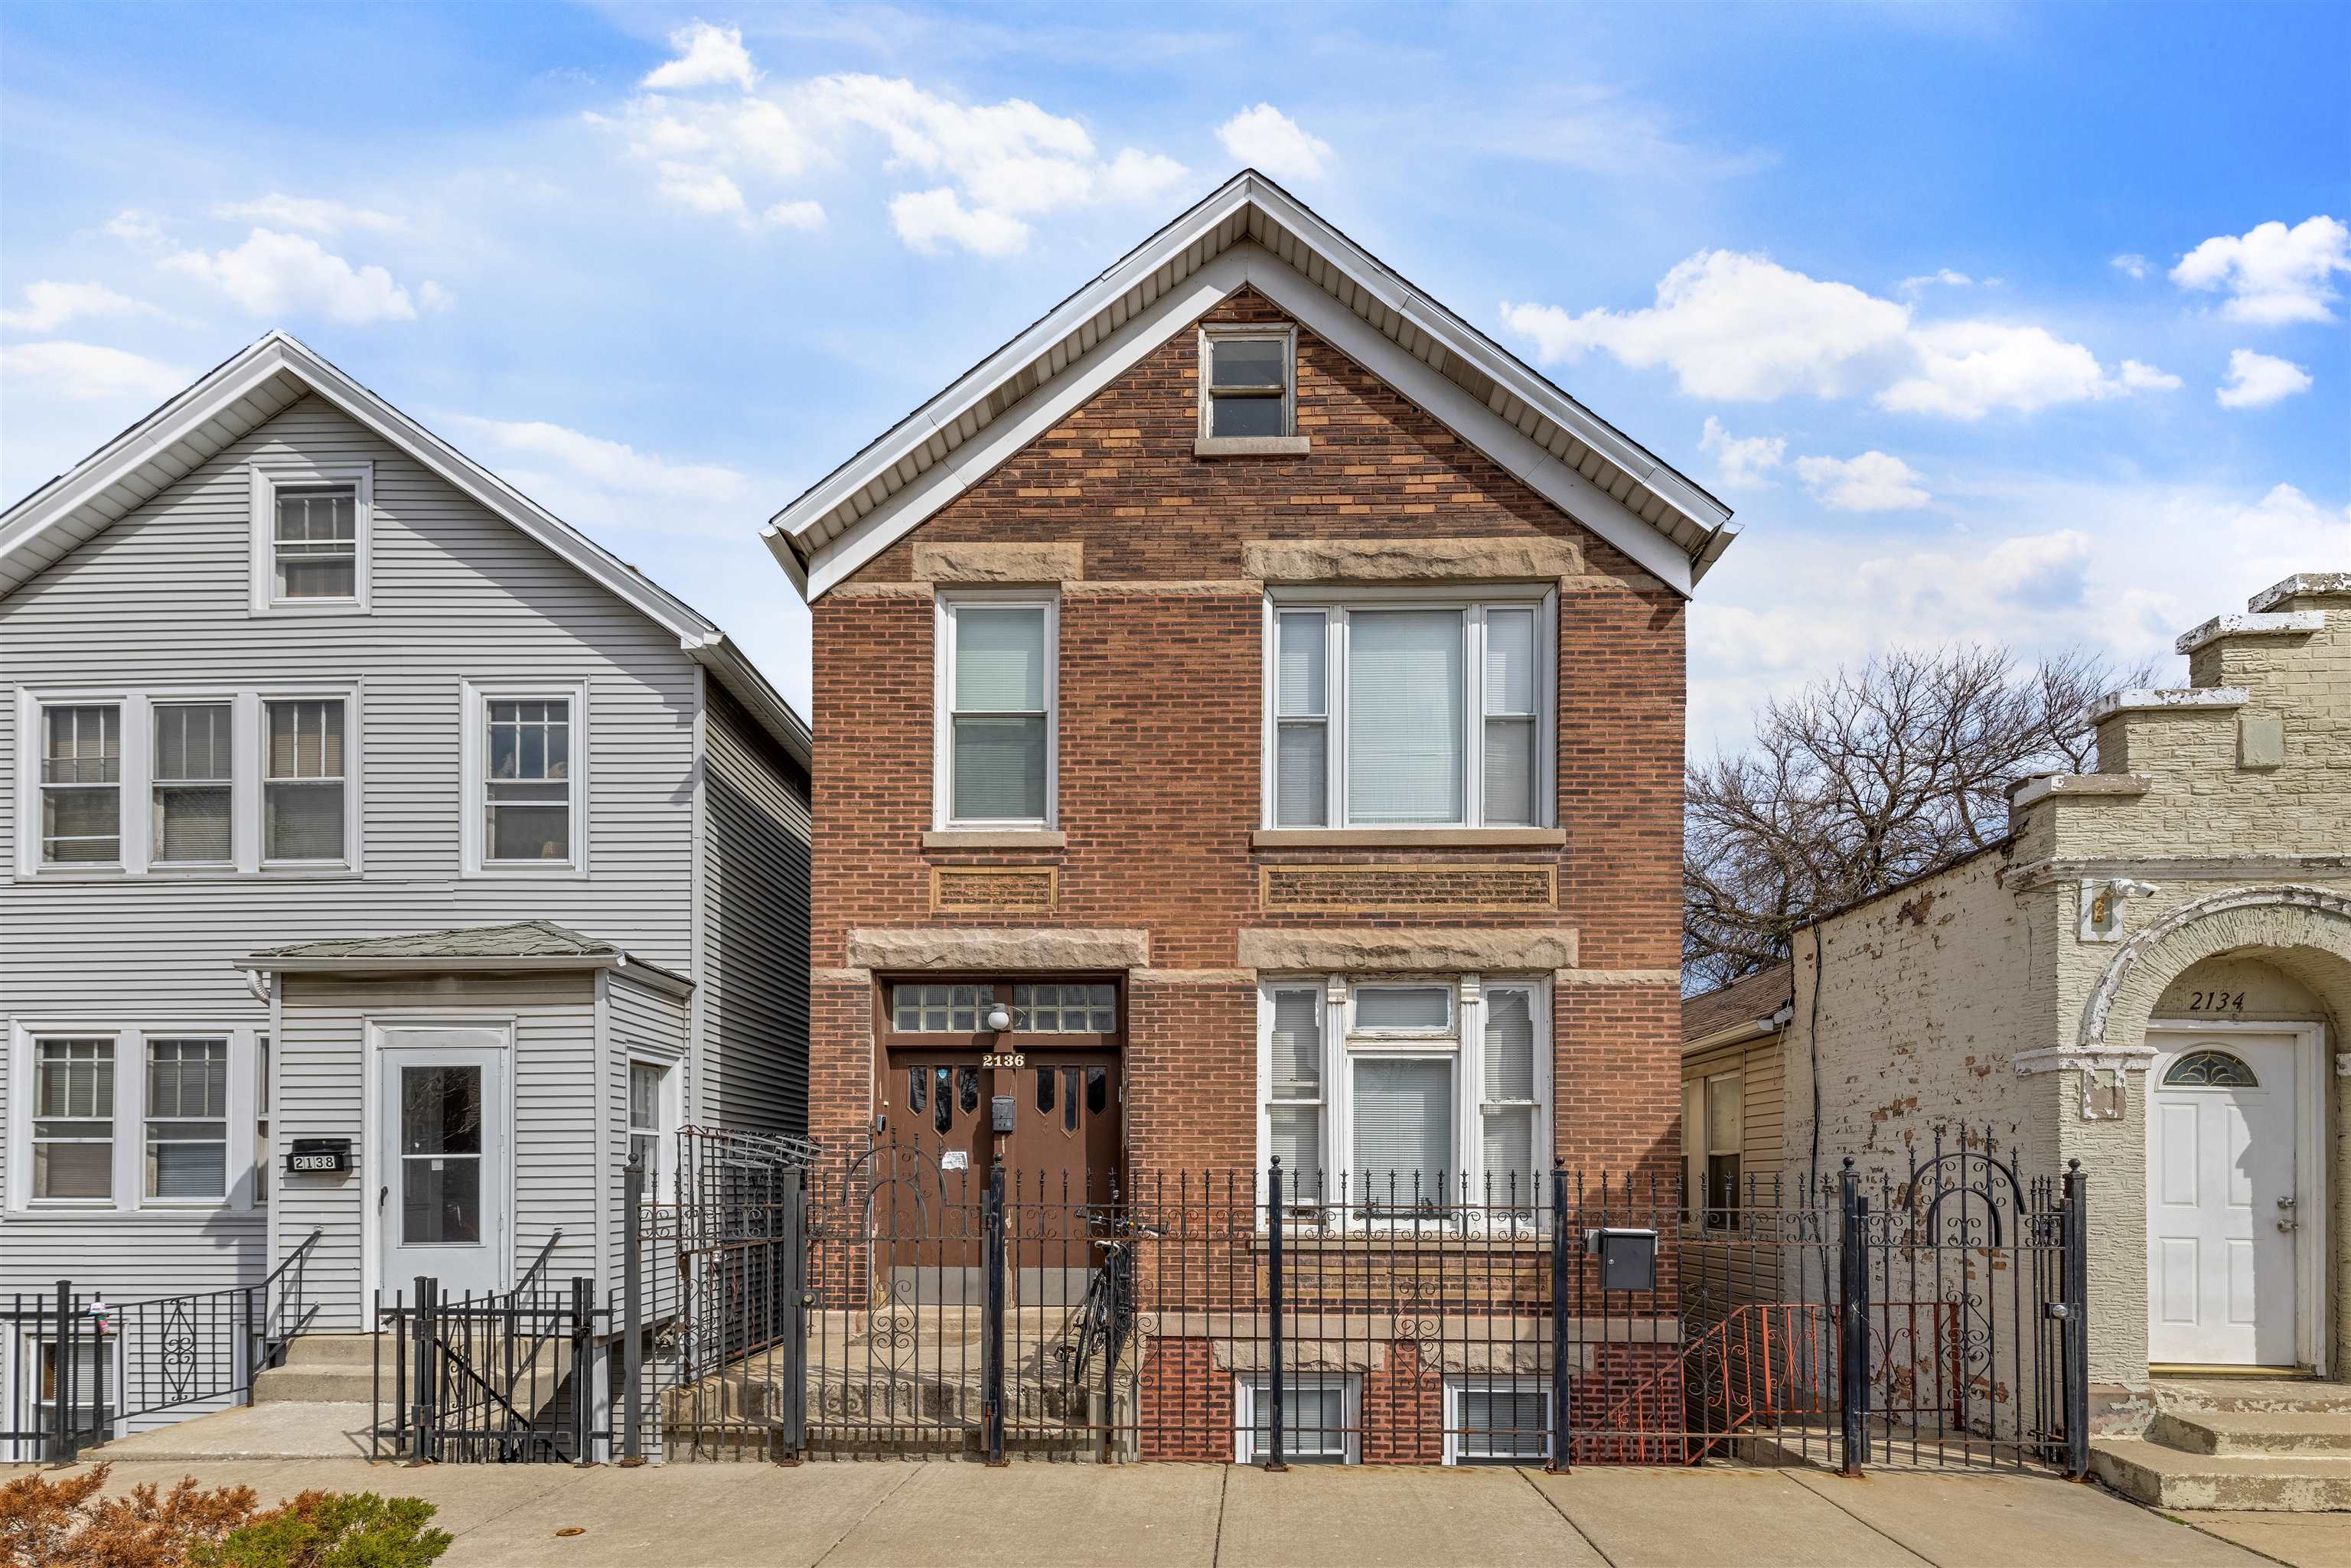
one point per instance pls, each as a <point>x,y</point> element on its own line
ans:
<point>1629,1258</point>
<point>318,1156</point>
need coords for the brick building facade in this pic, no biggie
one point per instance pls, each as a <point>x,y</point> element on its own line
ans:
<point>1358,834</point>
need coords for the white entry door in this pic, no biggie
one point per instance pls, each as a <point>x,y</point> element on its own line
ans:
<point>2221,1200</point>
<point>441,1113</point>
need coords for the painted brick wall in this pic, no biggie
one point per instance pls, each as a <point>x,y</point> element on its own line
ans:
<point>1160,660</point>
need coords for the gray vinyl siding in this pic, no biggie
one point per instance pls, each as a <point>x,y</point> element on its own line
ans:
<point>161,599</point>
<point>322,1094</point>
<point>644,1022</point>
<point>755,910</point>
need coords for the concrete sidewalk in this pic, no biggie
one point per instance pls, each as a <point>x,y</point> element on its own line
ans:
<point>880,1515</point>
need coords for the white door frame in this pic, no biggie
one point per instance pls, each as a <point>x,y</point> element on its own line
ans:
<point>2313,1088</point>
<point>376,1162</point>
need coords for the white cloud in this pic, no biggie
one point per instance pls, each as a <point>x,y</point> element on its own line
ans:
<point>1741,328</point>
<point>433,299</point>
<point>931,221</point>
<point>1944,276</point>
<point>2130,264</point>
<point>594,482</point>
<point>49,306</point>
<point>805,216</point>
<point>133,225</point>
<point>1741,461</point>
<point>1736,328</point>
<point>1873,482</point>
<point>274,273</point>
<point>311,214</point>
<point>2256,381</point>
<point>706,56</point>
<point>983,170</point>
<point>2140,377</point>
<point>2272,273</point>
<point>1272,142</point>
<point>1967,369</point>
<point>86,371</point>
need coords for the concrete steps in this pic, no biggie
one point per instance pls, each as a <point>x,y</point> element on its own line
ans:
<point>2259,1445</point>
<point>322,1368</point>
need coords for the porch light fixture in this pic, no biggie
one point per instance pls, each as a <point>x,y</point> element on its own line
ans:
<point>999,1018</point>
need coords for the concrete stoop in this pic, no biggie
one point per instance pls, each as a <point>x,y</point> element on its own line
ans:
<point>322,1368</point>
<point>2259,1445</point>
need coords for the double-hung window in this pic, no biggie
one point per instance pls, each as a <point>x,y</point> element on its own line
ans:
<point>73,1120</point>
<point>1714,1116</point>
<point>528,789</point>
<point>192,777</point>
<point>311,528</point>
<point>1402,714</point>
<point>996,747</point>
<point>653,1119</point>
<point>261,1145</point>
<point>1247,391</point>
<point>1406,1099</point>
<point>302,803</point>
<point>187,1120</point>
<point>81,784</point>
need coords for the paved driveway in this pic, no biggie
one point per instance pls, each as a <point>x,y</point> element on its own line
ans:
<point>881,1515</point>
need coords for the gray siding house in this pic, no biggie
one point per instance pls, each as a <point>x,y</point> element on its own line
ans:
<point>350,795</point>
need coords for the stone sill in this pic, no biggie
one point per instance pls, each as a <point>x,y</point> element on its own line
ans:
<point>2277,623</point>
<point>1252,446</point>
<point>1407,838</point>
<point>2171,699</point>
<point>2077,786</point>
<point>997,839</point>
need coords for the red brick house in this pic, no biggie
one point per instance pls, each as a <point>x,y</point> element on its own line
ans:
<point>1265,693</point>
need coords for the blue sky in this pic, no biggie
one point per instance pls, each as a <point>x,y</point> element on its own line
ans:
<point>2015,322</point>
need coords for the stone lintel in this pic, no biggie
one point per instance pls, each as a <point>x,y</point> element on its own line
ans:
<point>1005,563</point>
<point>2278,624</point>
<point>1501,950</point>
<point>939,947</point>
<point>1515,559</point>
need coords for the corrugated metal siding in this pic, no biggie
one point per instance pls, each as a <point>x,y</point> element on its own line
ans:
<point>755,896</point>
<point>161,599</point>
<point>321,1093</point>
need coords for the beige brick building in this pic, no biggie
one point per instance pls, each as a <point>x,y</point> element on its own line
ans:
<point>2151,974</point>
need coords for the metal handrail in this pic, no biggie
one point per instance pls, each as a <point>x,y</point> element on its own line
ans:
<point>537,1267</point>
<point>269,1344</point>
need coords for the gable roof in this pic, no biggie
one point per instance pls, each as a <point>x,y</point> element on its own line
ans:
<point>1250,231</point>
<point>1751,1000</point>
<point>252,386</point>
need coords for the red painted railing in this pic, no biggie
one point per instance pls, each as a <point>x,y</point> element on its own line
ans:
<point>1764,1365</point>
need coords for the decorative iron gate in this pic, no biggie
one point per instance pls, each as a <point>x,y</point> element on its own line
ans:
<point>888,1307</point>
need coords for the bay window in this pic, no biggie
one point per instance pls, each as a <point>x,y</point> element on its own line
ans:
<point>1406,1099</point>
<point>995,741</point>
<point>1405,714</point>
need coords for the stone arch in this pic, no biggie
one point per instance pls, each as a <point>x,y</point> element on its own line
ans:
<point>2305,930</point>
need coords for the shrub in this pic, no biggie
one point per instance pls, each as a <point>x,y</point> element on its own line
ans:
<point>66,1524</point>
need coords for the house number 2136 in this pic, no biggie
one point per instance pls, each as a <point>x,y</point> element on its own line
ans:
<point>1003,1059</point>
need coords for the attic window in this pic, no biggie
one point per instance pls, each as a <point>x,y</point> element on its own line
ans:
<point>310,537</point>
<point>1248,394</point>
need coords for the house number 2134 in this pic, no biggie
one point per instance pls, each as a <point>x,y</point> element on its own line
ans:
<point>2216,1001</point>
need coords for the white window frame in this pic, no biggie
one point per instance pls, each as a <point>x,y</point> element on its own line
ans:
<point>353,761</point>
<point>1248,1387</point>
<point>129,1174</point>
<point>1336,606</point>
<point>20,1385</point>
<point>149,1038</point>
<point>1286,336</point>
<point>667,1118</point>
<point>267,476</point>
<point>1458,1383</point>
<point>249,747</point>
<point>942,674</point>
<point>472,748</point>
<point>1462,1042</point>
<point>1699,1150</point>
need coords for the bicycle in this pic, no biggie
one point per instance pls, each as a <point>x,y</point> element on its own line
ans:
<point>1106,1313</point>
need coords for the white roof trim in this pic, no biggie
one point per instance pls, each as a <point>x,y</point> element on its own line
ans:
<point>67,503</point>
<point>1161,287</point>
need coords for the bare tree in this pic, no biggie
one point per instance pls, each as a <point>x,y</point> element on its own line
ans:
<point>1864,780</point>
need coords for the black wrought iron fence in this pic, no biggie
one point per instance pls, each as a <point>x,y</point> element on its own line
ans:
<point>887,1307</point>
<point>512,1378</point>
<point>86,1370</point>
